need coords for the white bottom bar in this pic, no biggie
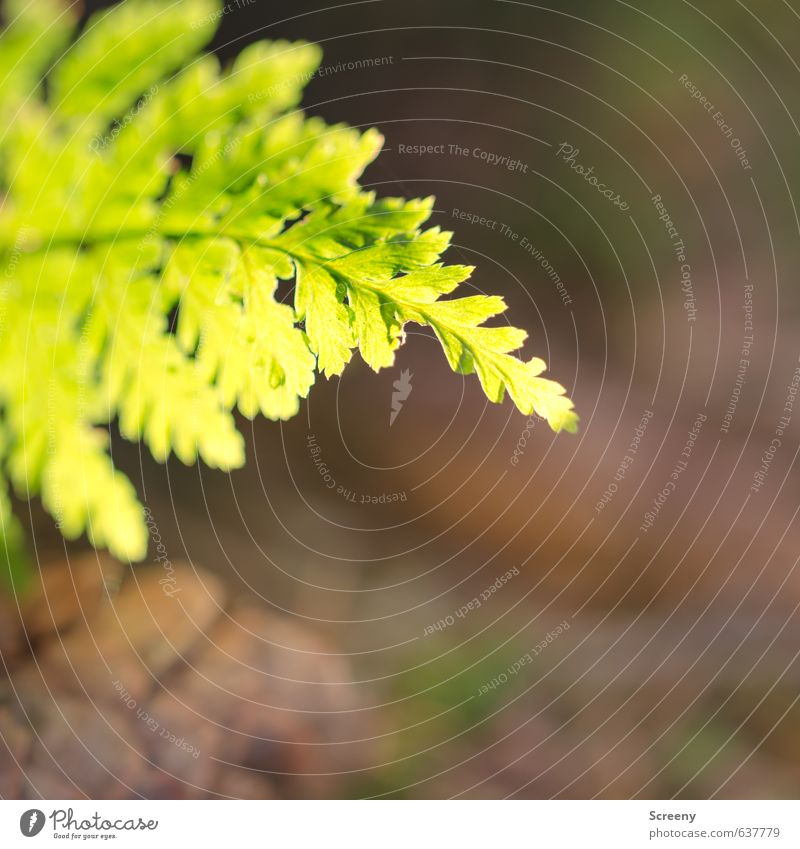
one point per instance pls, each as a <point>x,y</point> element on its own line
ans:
<point>403,824</point>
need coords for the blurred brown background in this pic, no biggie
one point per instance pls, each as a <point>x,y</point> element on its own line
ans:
<point>678,674</point>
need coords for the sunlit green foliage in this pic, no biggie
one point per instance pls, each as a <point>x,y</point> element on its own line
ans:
<point>106,237</point>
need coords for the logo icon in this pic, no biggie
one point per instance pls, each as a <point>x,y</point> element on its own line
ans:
<point>402,389</point>
<point>31,822</point>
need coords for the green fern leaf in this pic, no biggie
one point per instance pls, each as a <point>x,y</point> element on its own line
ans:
<point>145,290</point>
<point>14,565</point>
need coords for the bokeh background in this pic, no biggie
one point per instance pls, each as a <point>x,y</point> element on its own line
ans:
<point>637,627</point>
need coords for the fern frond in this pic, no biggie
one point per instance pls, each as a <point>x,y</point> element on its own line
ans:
<point>122,53</point>
<point>14,566</point>
<point>153,203</point>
